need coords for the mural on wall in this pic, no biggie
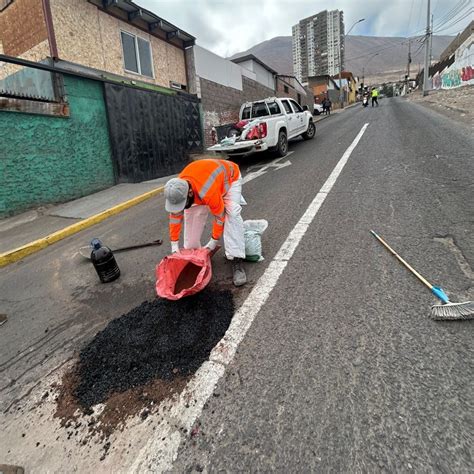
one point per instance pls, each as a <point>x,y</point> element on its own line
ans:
<point>460,73</point>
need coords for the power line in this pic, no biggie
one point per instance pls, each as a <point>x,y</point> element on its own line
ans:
<point>398,43</point>
<point>456,22</point>
<point>419,15</point>
<point>459,7</point>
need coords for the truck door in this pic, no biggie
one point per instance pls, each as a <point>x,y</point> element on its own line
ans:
<point>291,119</point>
<point>300,116</point>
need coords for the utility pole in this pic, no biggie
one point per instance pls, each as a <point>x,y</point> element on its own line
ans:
<point>427,51</point>
<point>431,39</point>
<point>408,67</point>
<point>341,96</point>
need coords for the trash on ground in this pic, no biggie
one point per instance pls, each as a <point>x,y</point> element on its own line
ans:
<point>183,273</point>
<point>143,357</point>
<point>3,319</point>
<point>253,230</point>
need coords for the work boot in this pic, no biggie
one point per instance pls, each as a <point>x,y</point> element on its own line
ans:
<point>239,277</point>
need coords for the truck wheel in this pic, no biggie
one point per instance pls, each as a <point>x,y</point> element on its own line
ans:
<point>282,146</point>
<point>310,132</point>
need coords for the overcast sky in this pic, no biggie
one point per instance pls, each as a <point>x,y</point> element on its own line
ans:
<point>230,26</point>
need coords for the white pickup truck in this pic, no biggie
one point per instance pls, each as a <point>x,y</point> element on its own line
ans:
<point>266,124</point>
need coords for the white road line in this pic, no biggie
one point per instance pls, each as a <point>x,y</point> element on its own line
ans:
<point>273,164</point>
<point>158,455</point>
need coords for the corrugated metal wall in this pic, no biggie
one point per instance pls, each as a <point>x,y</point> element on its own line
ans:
<point>152,134</point>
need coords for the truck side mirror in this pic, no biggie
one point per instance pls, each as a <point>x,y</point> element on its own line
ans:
<point>305,107</point>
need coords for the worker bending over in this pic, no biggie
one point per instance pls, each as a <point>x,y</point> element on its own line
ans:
<point>203,186</point>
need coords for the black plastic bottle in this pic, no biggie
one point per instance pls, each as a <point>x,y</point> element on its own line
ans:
<point>104,262</point>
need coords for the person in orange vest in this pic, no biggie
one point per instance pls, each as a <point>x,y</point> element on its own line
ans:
<point>208,185</point>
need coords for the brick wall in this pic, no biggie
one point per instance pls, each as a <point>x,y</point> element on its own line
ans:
<point>221,104</point>
<point>22,27</point>
<point>51,159</point>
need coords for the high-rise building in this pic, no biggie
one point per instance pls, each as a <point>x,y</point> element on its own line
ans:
<point>317,41</point>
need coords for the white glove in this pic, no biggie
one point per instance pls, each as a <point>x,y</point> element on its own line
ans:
<point>175,246</point>
<point>212,244</point>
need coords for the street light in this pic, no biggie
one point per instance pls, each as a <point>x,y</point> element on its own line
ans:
<point>341,98</point>
<point>363,68</point>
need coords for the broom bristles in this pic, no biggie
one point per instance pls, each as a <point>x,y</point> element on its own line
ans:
<point>450,311</point>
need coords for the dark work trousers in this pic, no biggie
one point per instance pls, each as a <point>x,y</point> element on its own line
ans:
<point>375,101</point>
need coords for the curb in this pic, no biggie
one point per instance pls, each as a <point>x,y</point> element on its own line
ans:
<point>17,254</point>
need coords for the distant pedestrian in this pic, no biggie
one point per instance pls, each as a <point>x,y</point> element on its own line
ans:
<point>375,95</point>
<point>327,106</point>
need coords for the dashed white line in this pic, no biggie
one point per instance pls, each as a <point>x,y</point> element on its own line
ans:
<point>158,456</point>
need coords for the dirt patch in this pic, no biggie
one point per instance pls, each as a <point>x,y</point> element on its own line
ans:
<point>142,358</point>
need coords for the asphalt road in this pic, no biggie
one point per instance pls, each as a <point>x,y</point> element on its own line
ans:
<point>342,369</point>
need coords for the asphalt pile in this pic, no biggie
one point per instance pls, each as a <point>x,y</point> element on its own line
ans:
<point>159,339</point>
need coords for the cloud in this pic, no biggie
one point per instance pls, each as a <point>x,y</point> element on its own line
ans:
<point>230,26</point>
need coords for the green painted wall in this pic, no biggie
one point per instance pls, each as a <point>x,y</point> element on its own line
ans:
<point>48,159</point>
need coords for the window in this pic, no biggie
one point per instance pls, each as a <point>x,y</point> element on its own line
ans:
<point>246,113</point>
<point>296,106</point>
<point>274,108</point>
<point>259,109</point>
<point>137,54</point>
<point>285,88</point>
<point>287,106</point>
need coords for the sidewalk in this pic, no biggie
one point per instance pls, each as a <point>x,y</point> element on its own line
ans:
<point>39,228</point>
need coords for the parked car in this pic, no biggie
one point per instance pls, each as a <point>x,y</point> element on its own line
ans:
<point>318,109</point>
<point>265,124</point>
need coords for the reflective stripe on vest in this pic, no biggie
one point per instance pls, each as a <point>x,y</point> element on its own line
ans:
<point>176,218</point>
<point>211,180</point>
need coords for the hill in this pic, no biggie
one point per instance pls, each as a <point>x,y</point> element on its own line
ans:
<point>382,58</point>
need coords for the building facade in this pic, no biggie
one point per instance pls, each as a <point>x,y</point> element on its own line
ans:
<point>317,42</point>
<point>117,37</point>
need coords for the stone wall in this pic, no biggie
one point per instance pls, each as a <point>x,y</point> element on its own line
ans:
<point>91,37</point>
<point>51,159</point>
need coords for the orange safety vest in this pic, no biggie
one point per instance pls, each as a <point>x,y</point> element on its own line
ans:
<point>210,180</point>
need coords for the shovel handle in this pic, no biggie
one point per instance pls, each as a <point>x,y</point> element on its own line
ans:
<point>139,246</point>
<point>406,264</point>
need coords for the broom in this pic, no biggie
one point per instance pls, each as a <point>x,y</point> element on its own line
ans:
<point>445,311</point>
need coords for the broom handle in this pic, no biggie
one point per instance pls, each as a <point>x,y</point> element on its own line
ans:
<point>406,264</point>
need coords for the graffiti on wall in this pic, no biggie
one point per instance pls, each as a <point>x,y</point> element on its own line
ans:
<point>460,73</point>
